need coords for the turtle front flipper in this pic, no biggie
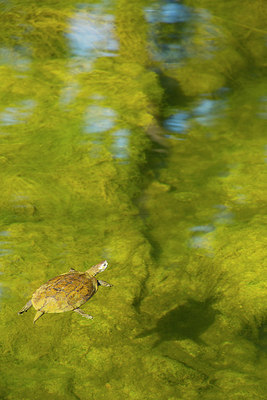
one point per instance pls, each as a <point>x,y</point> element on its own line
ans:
<point>103,283</point>
<point>26,307</point>
<point>37,316</point>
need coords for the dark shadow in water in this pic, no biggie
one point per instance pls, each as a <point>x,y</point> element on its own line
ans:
<point>173,94</point>
<point>188,321</point>
<point>256,334</point>
<point>262,341</point>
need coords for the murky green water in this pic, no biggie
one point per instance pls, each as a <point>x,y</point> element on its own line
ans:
<point>134,131</point>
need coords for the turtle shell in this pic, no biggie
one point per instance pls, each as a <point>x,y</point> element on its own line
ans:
<point>64,292</point>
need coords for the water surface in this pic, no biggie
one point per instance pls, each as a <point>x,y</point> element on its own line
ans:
<point>135,132</point>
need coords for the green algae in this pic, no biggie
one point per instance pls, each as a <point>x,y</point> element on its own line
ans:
<point>185,318</point>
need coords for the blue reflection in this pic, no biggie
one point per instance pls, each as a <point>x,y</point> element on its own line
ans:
<point>99,119</point>
<point>15,58</point>
<point>170,53</point>
<point>202,228</point>
<point>4,233</point>
<point>166,35</point>
<point>91,35</point>
<point>177,123</point>
<point>263,113</point>
<point>174,12</point>
<point>205,111</point>
<point>200,242</point>
<point>68,94</point>
<point>17,115</point>
<point>204,107</point>
<point>171,12</point>
<point>121,142</point>
<point>224,217</point>
<point>5,252</point>
<point>4,243</point>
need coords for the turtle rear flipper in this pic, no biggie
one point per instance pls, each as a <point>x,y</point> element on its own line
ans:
<point>26,307</point>
<point>103,283</point>
<point>82,313</point>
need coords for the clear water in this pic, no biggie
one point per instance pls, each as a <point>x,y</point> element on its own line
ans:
<point>134,131</point>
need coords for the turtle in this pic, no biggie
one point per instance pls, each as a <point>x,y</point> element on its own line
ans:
<point>66,292</point>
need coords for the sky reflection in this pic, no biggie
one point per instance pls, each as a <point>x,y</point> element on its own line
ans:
<point>91,36</point>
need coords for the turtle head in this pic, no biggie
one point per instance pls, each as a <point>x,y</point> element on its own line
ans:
<point>97,268</point>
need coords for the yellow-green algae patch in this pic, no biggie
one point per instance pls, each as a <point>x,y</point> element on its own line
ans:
<point>181,226</point>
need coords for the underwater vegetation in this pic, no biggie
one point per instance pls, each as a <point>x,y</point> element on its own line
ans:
<point>134,132</point>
